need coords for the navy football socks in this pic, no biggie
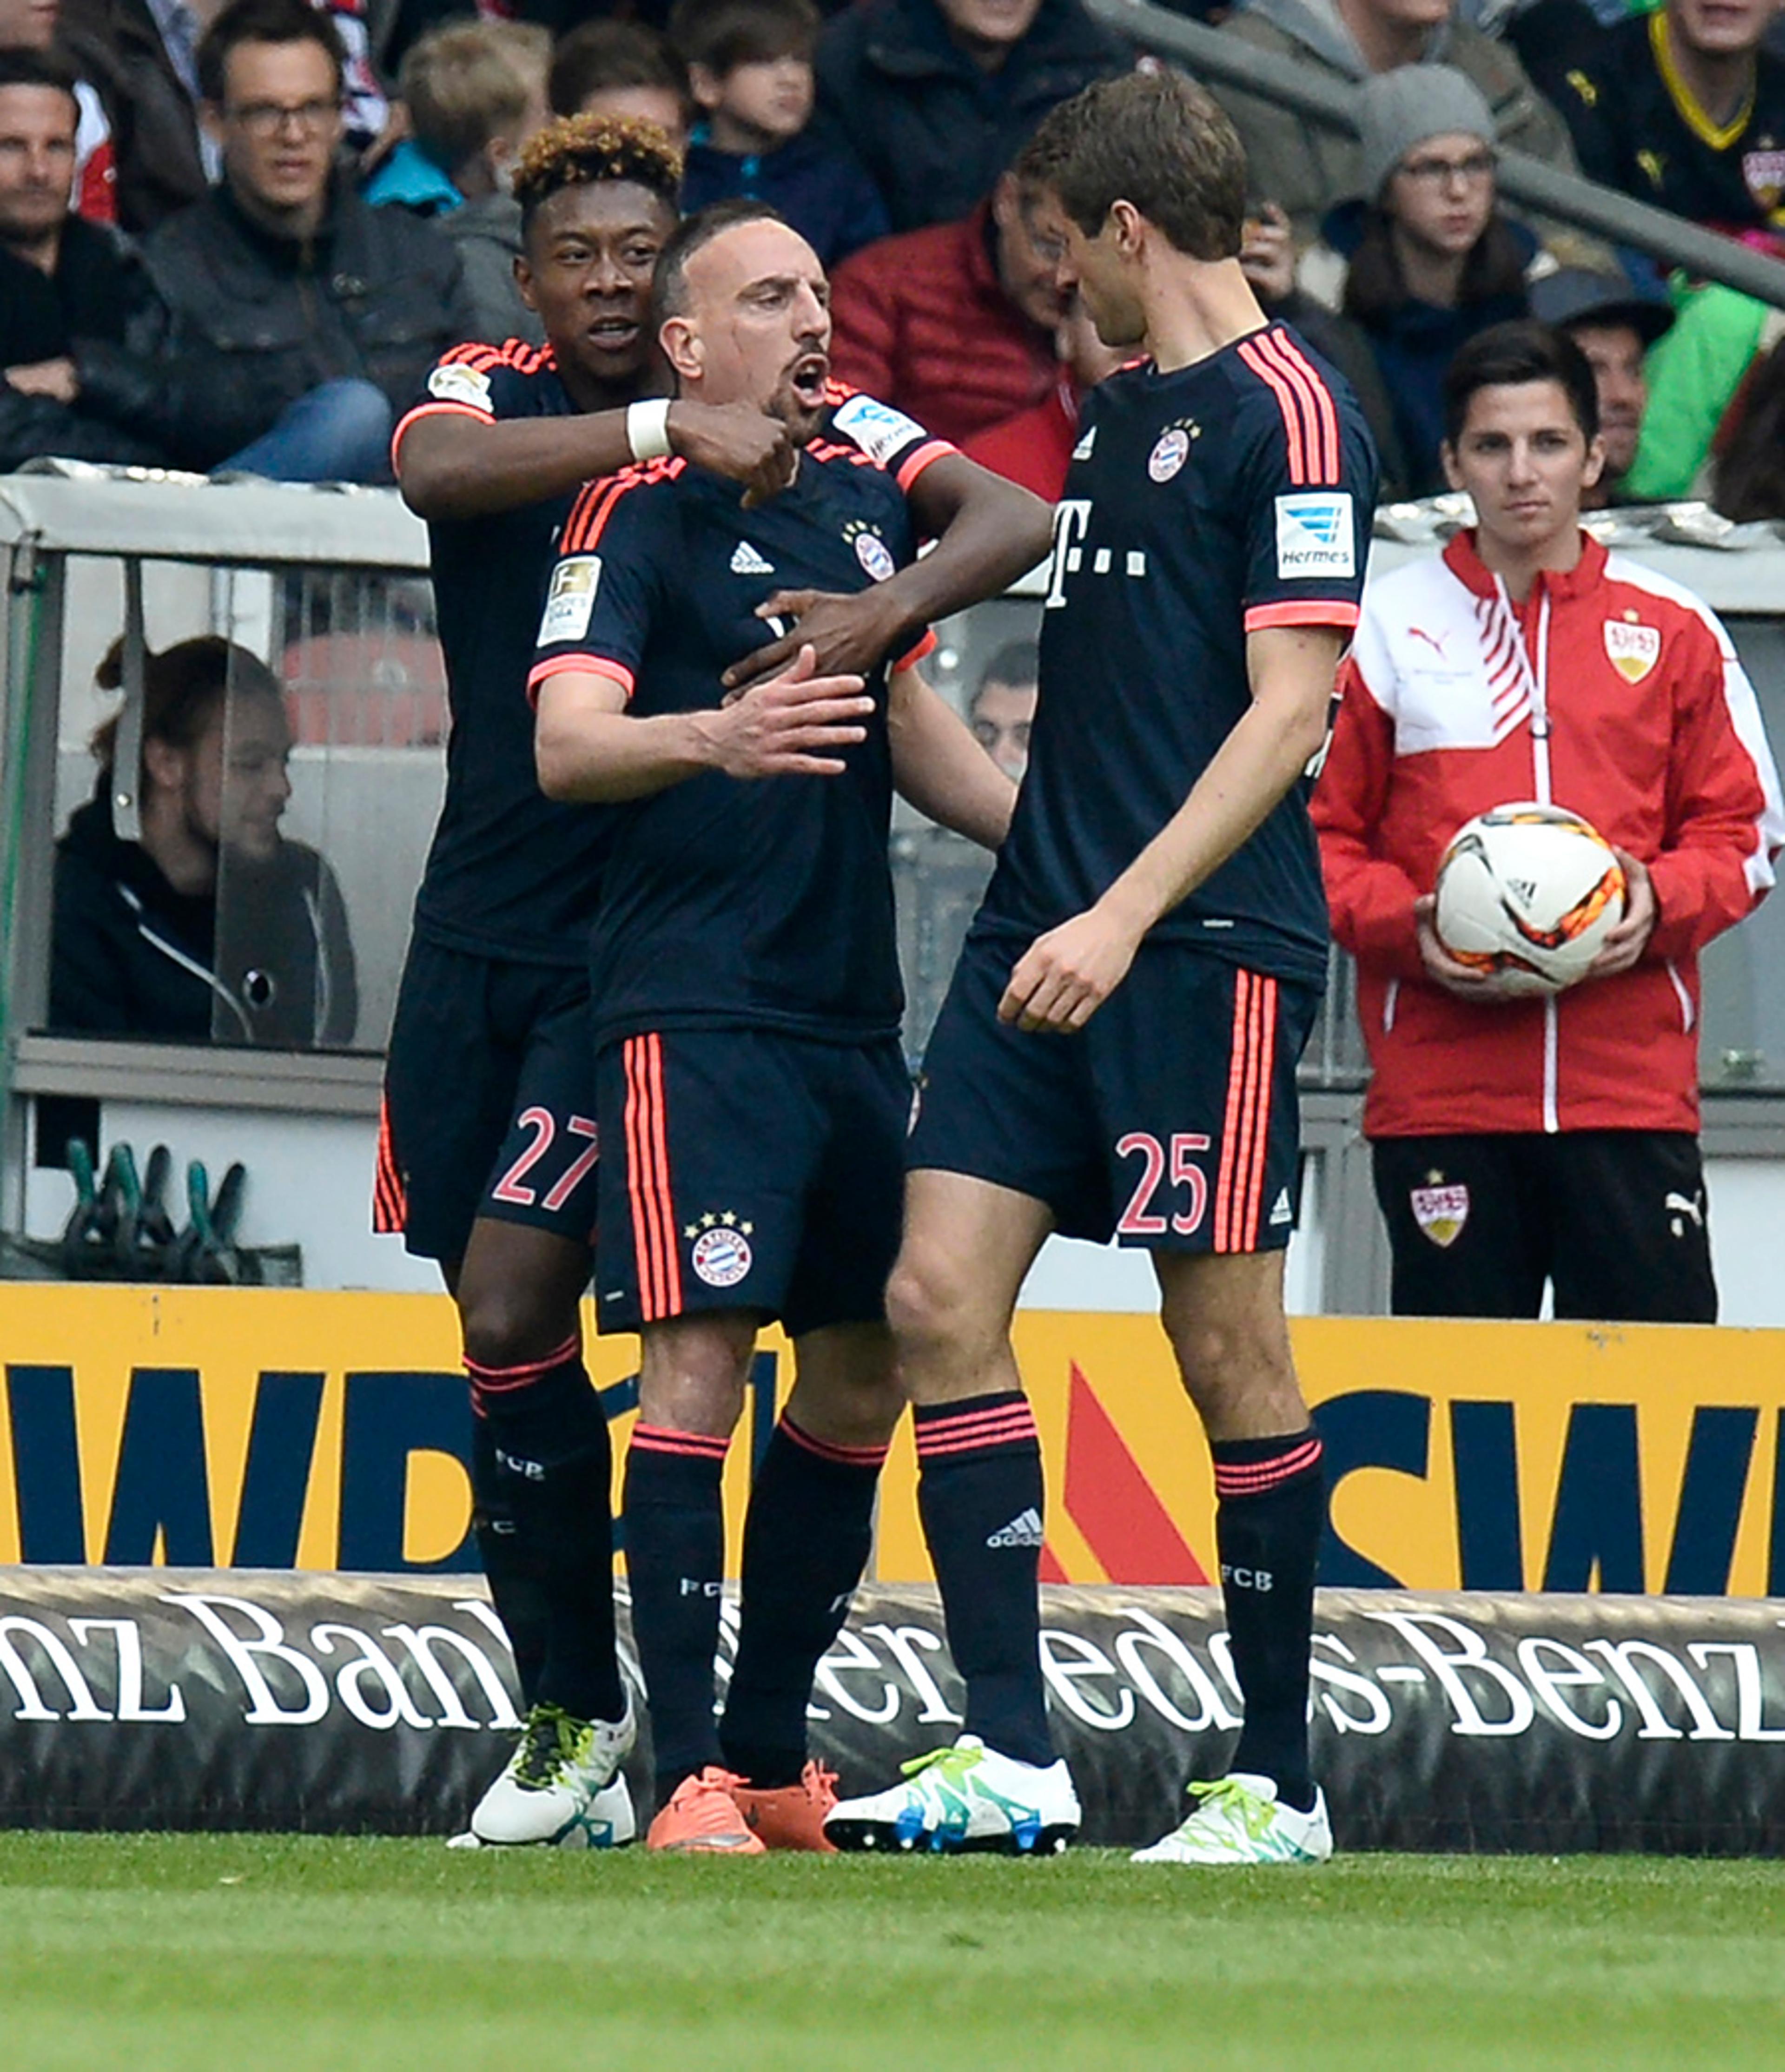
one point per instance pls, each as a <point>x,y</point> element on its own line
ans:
<point>979,1492</point>
<point>1270,1511</point>
<point>675,1562</point>
<point>542,1453</point>
<point>806,1538</point>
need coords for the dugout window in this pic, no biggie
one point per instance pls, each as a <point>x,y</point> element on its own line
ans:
<point>281,726</point>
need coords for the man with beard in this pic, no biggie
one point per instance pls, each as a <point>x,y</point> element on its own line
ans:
<point>750,1091</point>
<point>487,1160</point>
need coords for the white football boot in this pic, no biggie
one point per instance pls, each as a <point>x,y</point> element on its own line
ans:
<point>1238,1820</point>
<point>562,1784</point>
<point>964,1797</point>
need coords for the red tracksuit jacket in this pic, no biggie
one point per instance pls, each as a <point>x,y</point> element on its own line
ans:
<point>1610,691</point>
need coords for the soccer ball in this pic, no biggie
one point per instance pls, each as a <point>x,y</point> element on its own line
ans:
<point>1529,892</point>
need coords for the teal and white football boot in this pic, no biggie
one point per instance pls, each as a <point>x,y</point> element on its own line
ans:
<point>965,1797</point>
<point>1238,1820</point>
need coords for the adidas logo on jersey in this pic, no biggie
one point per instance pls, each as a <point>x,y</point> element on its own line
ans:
<point>1024,1530</point>
<point>747,561</point>
<point>1281,1211</point>
<point>1083,449</point>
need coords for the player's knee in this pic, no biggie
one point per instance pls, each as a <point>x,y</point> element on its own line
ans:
<point>502,1323</point>
<point>928,1305</point>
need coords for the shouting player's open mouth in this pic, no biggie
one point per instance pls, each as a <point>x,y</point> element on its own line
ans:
<point>806,377</point>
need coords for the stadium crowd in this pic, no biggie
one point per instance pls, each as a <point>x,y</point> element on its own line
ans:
<point>238,237</point>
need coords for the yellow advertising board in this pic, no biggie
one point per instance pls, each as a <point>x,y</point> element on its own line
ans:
<point>270,1429</point>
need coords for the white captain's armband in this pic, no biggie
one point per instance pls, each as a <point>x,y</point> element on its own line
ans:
<point>571,599</point>
<point>456,383</point>
<point>878,429</point>
<point>1315,534</point>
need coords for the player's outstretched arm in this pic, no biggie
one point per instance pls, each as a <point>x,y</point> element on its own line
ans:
<point>988,532</point>
<point>941,769</point>
<point>455,464</point>
<point>587,747</point>
<point>1064,976</point>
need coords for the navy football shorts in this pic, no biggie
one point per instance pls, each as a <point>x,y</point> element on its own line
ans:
<point>489,1106</point>
<point>745,1169</point>
<point>1170,1121</point>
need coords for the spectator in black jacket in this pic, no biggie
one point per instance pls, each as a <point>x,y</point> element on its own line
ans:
<point>300,318</point>
<point>935,96</point>
<point>211,926</point>
<point>73,300</point>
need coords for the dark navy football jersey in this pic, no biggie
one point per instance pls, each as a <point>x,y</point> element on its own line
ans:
<point>1200,505</point>
<point>766,904</point>
<point>510,874</point>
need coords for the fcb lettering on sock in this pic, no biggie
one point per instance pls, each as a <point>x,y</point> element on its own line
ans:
<point>806,1538</point>
<point>981,1496</point>
<point>1271,1509</point>
<point>675,1563</point>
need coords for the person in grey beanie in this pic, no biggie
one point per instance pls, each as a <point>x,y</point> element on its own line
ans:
<point>1432,259</point>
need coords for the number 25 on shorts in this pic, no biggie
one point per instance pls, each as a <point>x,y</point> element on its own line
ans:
<point>1139,1218</point>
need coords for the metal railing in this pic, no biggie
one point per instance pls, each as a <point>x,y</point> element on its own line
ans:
<point>1221,60</point>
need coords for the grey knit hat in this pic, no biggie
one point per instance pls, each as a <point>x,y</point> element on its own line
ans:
<point>1401,108</point>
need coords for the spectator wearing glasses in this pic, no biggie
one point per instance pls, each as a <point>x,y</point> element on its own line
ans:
<point>1432,259</point>
<point>300,318</point>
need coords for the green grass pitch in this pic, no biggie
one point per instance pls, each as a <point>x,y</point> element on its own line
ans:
<point>186,1952</point>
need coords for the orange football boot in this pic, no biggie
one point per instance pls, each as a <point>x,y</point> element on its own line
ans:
<point>702,1818</point>
<point>793,1817</point>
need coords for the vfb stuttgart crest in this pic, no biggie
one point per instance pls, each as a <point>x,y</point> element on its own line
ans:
<point>1634,649</point>
<point>1441,1212</point>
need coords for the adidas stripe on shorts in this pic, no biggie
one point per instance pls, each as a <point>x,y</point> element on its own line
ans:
<point>1170,1122</point>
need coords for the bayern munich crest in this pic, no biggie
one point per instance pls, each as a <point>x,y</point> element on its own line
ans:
<point>1169,454</point>
<point>721,1255</point>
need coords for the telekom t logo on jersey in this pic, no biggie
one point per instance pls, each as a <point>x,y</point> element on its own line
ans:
<point>1072,522</point>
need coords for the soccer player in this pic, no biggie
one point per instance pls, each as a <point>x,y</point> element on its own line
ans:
<point>751,1092</point>
<point>1116,1054</point>
<point>487,1152</point>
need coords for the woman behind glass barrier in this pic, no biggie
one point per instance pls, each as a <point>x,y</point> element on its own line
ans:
<point>142,944</point>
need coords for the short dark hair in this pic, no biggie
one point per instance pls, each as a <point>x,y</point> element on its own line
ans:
<point>722,34</point>
<point>577,150</point>
<point>1017,662</point>
<point>669,286</point>
<point>1509,356</point>
<point>1153,138</point>
<point>26,67</point>
<point>264,22</point>
<point>607,53</point>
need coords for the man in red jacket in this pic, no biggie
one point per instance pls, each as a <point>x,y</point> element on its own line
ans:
<point>1517,1140</point>
<point>956,321</point>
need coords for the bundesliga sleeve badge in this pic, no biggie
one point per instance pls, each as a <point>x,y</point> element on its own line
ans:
<point>570,602</point>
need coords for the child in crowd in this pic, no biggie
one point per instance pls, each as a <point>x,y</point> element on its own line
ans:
<point>750,70</point>
<point>609,68</point>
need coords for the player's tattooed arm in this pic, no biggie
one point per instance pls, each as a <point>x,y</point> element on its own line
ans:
<point>456,465</point>
<point>587,747</point>
<point>987,532</point>
<point>1065,976</point>
<point>940,768</point>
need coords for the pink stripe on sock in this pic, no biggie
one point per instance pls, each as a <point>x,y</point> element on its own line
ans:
<point>517,1376</point>
<point>659,1439</point>
<point>827,1449</point>
<point>1256,1478</point>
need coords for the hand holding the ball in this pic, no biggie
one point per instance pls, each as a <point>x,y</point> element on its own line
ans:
<point>1480,988</point>
<point>1624,946</point>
